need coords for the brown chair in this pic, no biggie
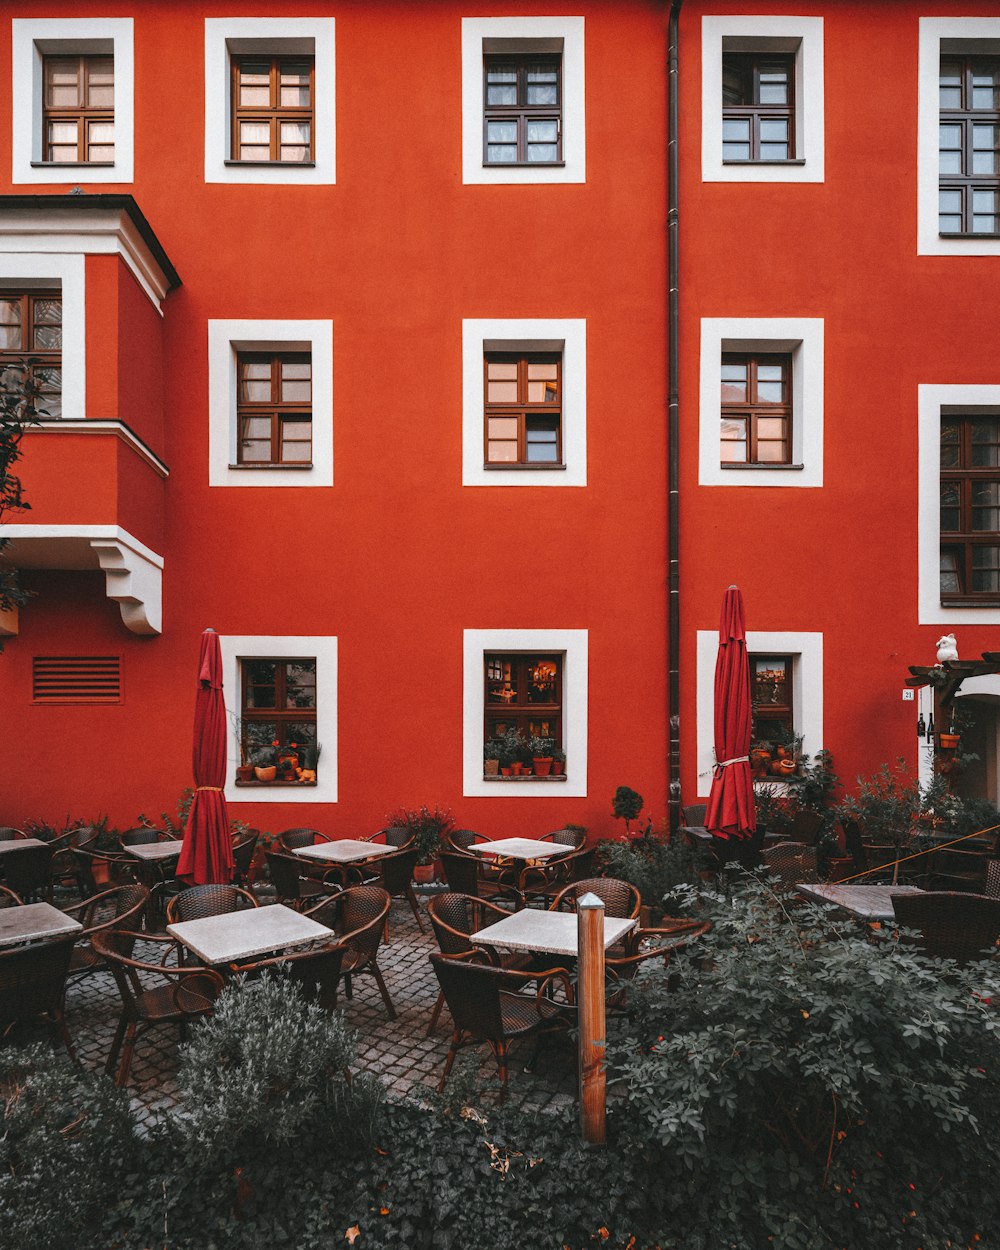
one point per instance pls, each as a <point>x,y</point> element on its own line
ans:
<point>182,995</point>
<point>199,901</point>
<point>958,869</point>
<point>143,835</point>
<point>395,875</point>
<point>33,985</point>
<point>992,878</point>
<point>485,1006</point>
<point>462,839</point>
<point>127,904</point>
<point>952,925</point>
<point>694,815</point>
<point>294,887</point>
<point>358,916</point>
<point>576,838</point>
<point>791,862</point>
<point>620,898</point>
<point>470,874</point>
<point>28,873</point>
<point>243,858</point>
<point>542,882</point>
<point>666,939</point>
<point>293,839</point>
<point>395,835</point>
<point>9,899</point>
<point>120,868</point>
<point>9,834</point>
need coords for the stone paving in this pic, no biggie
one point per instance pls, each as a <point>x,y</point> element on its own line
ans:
<point>399,1051</point>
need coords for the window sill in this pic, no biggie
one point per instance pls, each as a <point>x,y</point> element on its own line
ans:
<point>524,164</point>
<point>970,601</point>
<point>527,777</point>
<point>967,236</point>
<point>270,466</point>
<point>507,465</point>
<point>274,785</point>
<point>763,465</point>
<point>795,160</point>
<point>72,164</point>
<point>270,164</point>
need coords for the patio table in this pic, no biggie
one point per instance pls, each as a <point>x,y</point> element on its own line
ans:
<point>520,852</point>
<point>34,921</point>
<point>240,935</point>
<point>870,902</point>
<point>345,851</point>
<point>549,932</point>
<point>20,844</point>
<point>152,852</point>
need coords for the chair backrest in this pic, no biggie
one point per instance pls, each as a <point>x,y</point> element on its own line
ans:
<point>462,839</point>
<point>461,872</point>
<point>454,910</point>
<point>142,836</point>
<point>805,827</point>
<point>364,907</point>
<point>793,862</point>
<point>86,836</point>
<point>581,864</point>
<point>568,837</point>
<point>620,898</point>
<point>285,872</point>
<point>9,899</point>
<point>396,870</point>
<point>208,900</point>
<point>992,889</point>
<point>27,871</point>
<point>855,843</point>
<point>8,833</point>
<point>396,835</point>
<point>952,925</point>
<point>694,815</point>
<point>472,992</point>
<point>33,979</point>
<point>292,839</point>
<point>243,852</point>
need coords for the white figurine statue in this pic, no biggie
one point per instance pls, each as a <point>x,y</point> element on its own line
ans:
<point>947,648</point>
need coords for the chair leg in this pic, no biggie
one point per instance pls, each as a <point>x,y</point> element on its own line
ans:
<point>415,907</point>
<point>125,1067</point>
<point>62,1032</point>
<point>349,985</point>
<point>116,1046</point>
<point>436,1013</point>
<point>501,1054</point>
<point>376,973</point>
<point>456,1041</point>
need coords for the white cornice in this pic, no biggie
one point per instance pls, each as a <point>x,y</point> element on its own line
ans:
<point>61,425</point>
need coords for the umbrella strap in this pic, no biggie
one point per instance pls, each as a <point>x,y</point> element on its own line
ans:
<point>737,759</point>
<point>210,789</point>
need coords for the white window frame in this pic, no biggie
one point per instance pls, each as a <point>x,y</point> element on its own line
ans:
<point>488,35</point>
<point>248,646</point>
<point>225,339</point>
<point>804,37</point>
<point>803,337</point>
<point>933,402</point>
<point>34,38</point>
<point>573,643</point>
<point>306,36</point>
<point>963,35</point>
<point>525,335</point>
<point>45,271</point>
<point>806,650</point>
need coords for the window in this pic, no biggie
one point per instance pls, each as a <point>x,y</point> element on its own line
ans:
<point>523,401</point>
<point>774,747</point>
<point>31,343</point>
<point>272,108</point>
<point>274,408</point>
<point>758,117</point>
<point>970,509</point>
<point>523,114</point>
<point>523,102</point>
<point>968,156</point>
<point>79,115</point>
<point>762,99</point>
<point>279,715</point>
<point>523,692</point>
<point>756,409</point>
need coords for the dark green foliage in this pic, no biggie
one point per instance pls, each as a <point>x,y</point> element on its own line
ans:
<point>627,804</point>
<point>655,866</point>
<point>429,828</point>
<point>811,789</point>
<point>18,409</point>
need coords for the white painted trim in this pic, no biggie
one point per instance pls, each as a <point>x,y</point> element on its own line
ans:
<point>573,643</point>
<point>804,338</point>
<point>35,36</point>
<point>931,400</point>
<point>225,35</point>
<point>481,34</point>
<point>103,533</point>
<point>69,273</point>
<point>224,339</point>
<point>933,32</point>
<point>324,648</point>
<point>569,336</point>
<point>804,36</point>
<point>807,690</point>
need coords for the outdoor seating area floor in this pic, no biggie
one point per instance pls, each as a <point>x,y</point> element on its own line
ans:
<point>399,1051</point>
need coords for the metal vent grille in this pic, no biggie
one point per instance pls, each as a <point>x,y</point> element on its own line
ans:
<point>76,679</point>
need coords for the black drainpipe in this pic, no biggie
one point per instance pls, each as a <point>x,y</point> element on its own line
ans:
<point>673,428</point>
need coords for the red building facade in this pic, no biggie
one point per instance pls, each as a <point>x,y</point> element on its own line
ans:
<point>361,315</point>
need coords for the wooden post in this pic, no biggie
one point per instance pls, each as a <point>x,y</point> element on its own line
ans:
<point>590,990</point>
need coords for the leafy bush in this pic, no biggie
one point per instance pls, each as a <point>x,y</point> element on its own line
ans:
<point>811,789</point>
<point>626,805</point>
<point>812,1086</point>
<point>655,866</point>
<point>427,827</point>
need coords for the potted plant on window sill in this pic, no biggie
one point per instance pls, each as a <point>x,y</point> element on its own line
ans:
<point>558,762</point>
<point>492,755</point>
<point>510,746</point>
<point>541,755</point>
<point>245,769</point>
<point>265,763</point>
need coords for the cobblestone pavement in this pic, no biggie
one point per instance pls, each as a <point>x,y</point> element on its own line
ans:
<point>399,1051</point>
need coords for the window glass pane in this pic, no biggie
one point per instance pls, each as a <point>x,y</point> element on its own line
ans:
<point>985,570</point>
<point>293,392</point>
<point>733,81</point>
<point>950,201</point>
<point>542,85</point>
<point>773,129</point>
<point>259,677</point>
<point>300,683</point>
<point>10,323</point>
<point>774,88</point>
<point>63,132</point>
<point>986,507</point>
<point>985,442</point>
<point>736,151</point>
<point>950,583</point>
<point>774,151</point>
<point>501,84</point>
<point>501,392</point>
<point>62,87</point>
<point>734,442</point>
<point>734,383</point>
<point>949,443</point>
<point>294,86</point>
<point>542,152</point>
<point>770,452</point>
<point>257,427</point>
<point>770,681</point>
<point>542,131</point>
<point>255,84</point>
<point>736,129</point>
<point>500,452</point>
<point>984,92</point>
<point>302,733</point>
<point>48,338</point>
<point>951,85</point>
<point>950,511</point>
<point>502,427</point>
<point>541,446</point>
<point>256,451</point>
<point>984,157</point>
<point>771,427</point>
<point>48,310</point>
<point>295,141</point>
<point>100,82</point>
<point>296,453</point>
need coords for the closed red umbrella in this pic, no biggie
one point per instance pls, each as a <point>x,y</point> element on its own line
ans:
<point>731,813</point>
<point>207,855</point>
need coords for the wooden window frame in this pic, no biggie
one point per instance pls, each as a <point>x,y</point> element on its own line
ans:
<point>275,410</point>
<point>34,361</point>
<point>967,116</point>
<point>752,64</point>
<point>522,112</point>
<point>273,113</point>
<point>280,715</point>
<point>783,713</point>
<point>964,540</point>
<point>519,711</point>
<point>524,412</point>
<point>752,410</point>
<point>82,114</point>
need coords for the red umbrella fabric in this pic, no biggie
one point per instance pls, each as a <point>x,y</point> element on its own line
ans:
<point>731,813</point>
<point>207,855</point>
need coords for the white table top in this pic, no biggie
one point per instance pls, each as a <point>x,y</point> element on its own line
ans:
<point>32,921</point>
<point>20,844</point>
<point>243,934</point>
<point>521,848</point>
<point>154,850</point>
<point>344,851</point>
<point>554,932</point>
<point>870,902</point>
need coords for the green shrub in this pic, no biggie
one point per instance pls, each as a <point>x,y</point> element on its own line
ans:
<point>429,828</point>
<point>655,866</point>
<point>626,805</point>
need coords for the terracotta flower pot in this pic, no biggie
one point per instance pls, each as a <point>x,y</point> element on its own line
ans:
<point>245,772</point>
<point>266,774</point>
<point>543,765</point>
<point>558,768</point>
<point>423,874</point>
<point>491,767</point>
<point>948,742</point>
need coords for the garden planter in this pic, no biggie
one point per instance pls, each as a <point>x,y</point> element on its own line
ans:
<point>423,874</point>
<point>558,768</point>
<point>543,765</point>
<point>515,769</point>
<point>491,767</point>
<point>507,772</point>
<point>948,742</point>
<point>266,774</point>
<point>245,772</point>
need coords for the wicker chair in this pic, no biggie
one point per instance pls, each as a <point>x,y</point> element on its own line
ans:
<point>620,899</point>
<point>120,868</point>
<point>143,835</point>
<point>243,858</point>
<point>805,827</point>
<point>694,815</point>
<point>542,882</point>
<point>9,899</point>
<point>199,901</point>
<point>992,878</point>
<point>294,839</point>
<point>462,839</point>
<point>470,874</point>
<point>661,942</point>
<point>958,869</point>
<point>28,872</point>
<point>9,834</point>
<point>317,970</point>
<point>33,985</point>
<point>183,994</point>
<point>484,1007</point>
<point>952,925</point>
<point>127,905</point>
<point>294,887</point>
<point>791,862</point>
<point>395,875</point>
<point>395,835</point>
<point>358,916</point>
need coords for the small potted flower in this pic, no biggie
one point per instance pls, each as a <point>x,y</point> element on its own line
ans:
<point>492,754</point>
<point>265,762</point>
<point>558,762</point>
<point>541,754</point>
<point>510,746</point>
